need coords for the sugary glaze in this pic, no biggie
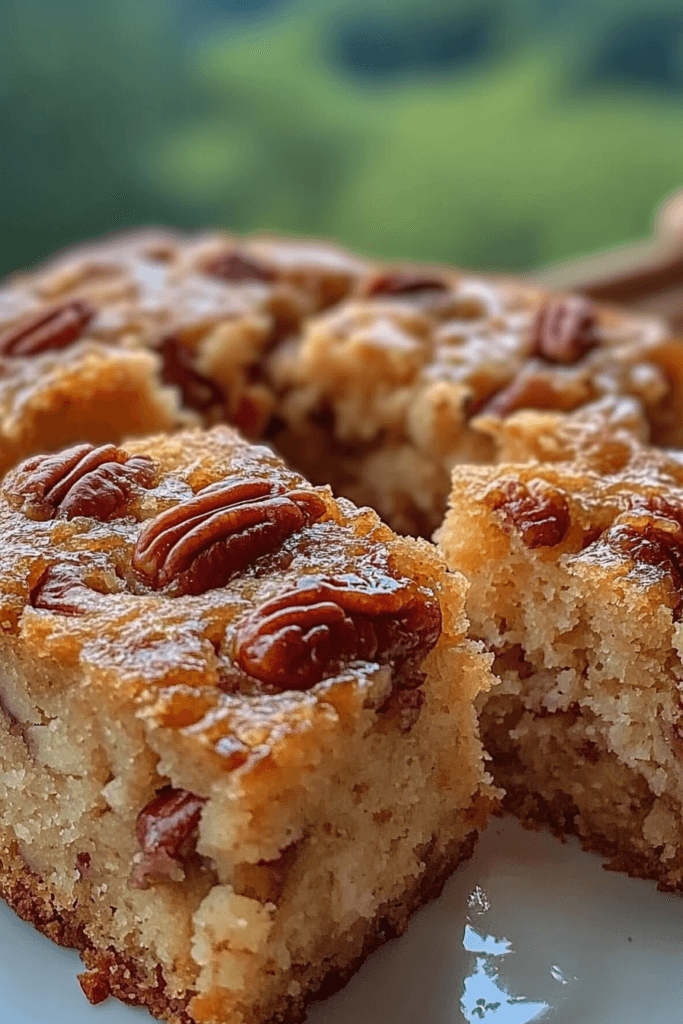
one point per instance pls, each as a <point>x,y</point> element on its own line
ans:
<point>248,707</point>
<point>374,379</point>
<point>577,588</point>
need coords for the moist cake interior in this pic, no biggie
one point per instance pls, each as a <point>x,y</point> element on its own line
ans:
<point>576,587</point>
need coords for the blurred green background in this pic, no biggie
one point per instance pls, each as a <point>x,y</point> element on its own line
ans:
<point>493,133</point>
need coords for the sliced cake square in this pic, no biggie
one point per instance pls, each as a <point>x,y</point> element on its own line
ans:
<point>576,570</point>
<point>238,743</point>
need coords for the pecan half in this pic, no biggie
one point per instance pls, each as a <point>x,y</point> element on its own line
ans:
<point>57,327</point>
<point>178,369</point>
<point>237,266</point>
<point>565,329</point>
<point>537,512</point>
<point>81,481</point>
<point>164,830</point>
<point>307,633</point>
<point>204,541</point>
<point>404,283</point>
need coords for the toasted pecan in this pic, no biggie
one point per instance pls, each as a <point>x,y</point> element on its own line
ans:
<point>308,632</point>
<point>55,328</point>
<point>565,329</point>
<point>164,830</point>
<point>201,543</point>
<point>537,512</point>
<point>80,481</point>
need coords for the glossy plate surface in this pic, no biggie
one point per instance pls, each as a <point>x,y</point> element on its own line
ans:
<point>529,930</point>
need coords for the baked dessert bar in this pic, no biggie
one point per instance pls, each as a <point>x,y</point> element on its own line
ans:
<point>176,325</point>
<point>237,742</point>
<point>576,572</point>
<point>374,379</point>
<point>386,392</point>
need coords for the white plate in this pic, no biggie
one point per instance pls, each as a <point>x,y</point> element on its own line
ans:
<point>529,930</point>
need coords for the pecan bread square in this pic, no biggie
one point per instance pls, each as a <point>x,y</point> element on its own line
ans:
<point>576,572</point>
<point>238,743</point>
<point>383,394</point>
<point>176,325</point>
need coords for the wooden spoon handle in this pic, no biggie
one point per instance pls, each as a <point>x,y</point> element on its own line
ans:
<point>646,275</point>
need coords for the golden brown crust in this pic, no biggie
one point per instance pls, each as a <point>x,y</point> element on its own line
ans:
<point>122,977</point>
<point>561,816</point>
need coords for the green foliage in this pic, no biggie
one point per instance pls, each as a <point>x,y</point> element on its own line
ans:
<point>503,166</point>
<point>525,152</point>
<point>83,85</point>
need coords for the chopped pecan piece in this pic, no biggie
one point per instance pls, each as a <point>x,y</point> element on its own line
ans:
<point>57,327</point>
<point>651,537</point>
<point>81,481</point>
<point>565,329</point>
<point>83,864</point>
<point>537,512</point>
<point>535,387</point>
<point>307,633</point>
<point>178,369</point>
<point>164,830</point>
<point>398,283</point>
<point>95,985</point>
<point>61,589</point>
<point>265,881</point>
<point>237,266</point>
<point>201,543</point>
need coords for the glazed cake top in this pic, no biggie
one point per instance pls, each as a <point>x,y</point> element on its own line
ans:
<point>197,581</point>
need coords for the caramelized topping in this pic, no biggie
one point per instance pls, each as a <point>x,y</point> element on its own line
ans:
<point>201,543</point>
<point>404,284</point>
<point>178,369</point>
<point>307,633</point>
<point>237,266</point>
<point>537,512</point>
<point>81,481</point>
<point>55,328</point>
<point>565,329</point>
<point>164,830</point>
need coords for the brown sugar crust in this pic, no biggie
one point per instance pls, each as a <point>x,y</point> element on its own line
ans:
<point>177,325</point>
<point>110,974</point>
